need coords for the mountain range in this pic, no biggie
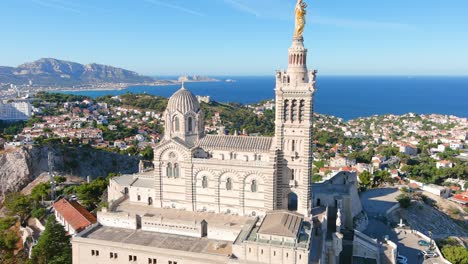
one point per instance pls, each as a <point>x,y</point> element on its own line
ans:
<point>54,72</point>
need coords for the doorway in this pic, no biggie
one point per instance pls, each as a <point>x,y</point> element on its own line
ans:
<point>204,228</point>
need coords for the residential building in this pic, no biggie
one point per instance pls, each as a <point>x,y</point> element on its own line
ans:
<point>16,110</point>
<point>73,216</point>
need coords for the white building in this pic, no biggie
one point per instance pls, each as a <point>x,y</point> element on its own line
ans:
<point>14,111</point>
<point>444,164</point>
<point>441,191</point>
<point>408,149</point>
<point>74,217</point>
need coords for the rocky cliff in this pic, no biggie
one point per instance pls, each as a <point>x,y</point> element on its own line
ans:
<point>20,166</point>
<point>53,72</point>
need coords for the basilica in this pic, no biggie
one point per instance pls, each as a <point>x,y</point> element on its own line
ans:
<point>229,198</point>
<point>231,174</point>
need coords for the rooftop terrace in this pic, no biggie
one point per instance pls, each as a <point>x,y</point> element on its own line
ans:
<point>160,240</point>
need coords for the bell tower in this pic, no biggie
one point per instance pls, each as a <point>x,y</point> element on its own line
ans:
<point>294,91</point>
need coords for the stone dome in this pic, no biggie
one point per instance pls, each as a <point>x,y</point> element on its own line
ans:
<point>183,101</point>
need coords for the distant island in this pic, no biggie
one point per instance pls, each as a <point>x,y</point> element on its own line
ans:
<point>49,74</point>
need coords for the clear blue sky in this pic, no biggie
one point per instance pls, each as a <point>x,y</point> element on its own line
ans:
<point>240,37</point>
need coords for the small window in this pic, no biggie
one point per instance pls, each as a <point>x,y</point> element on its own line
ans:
<point>287,255</point>
<point>253,186</point>
<point>190,124</point>
<point>111,255</point>
<point>204,182</point>
<point>286,110</point>
<point>302,111</point>
<point>139,197</point>
<point>130,257</point>
<point>116,255</point>
<point>250,250</point>
<point>176,170</point>
<point>261,251</point>
<point>176,124</point>
<point>169,170</point>
<point>294,110</point>
<point>93,252</point>
<point>274,253</point>
<point>134,258</point>
<point>228,184</point>
<point>97,253</point>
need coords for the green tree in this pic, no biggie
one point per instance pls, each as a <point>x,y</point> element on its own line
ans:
<point>54,245</point>
<point>19,205</point>
<point>40,192</point>
<point>90,194</point>
<point>456,254</point>
<point>147,153</point>
<point>365,178</point>
<point>317,178</point>
<point>389,151</point>
<point>8,240</point>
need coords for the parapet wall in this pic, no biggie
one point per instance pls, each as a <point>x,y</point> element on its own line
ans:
<point>119,220</point>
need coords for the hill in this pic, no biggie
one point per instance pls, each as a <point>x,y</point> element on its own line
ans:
<point>53,72</point>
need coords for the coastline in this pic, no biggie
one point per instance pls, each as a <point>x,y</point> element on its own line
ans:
<point>126,86</point>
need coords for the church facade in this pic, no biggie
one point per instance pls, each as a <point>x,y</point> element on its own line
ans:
<point>237,174</point>
<point>228,198</point>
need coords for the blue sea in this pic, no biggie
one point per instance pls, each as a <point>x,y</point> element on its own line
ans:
<point>345,97</point>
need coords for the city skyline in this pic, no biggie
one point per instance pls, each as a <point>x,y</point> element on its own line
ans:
<point>238,37</point>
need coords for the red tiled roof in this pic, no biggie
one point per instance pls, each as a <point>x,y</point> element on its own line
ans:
<point>74,214</point>
<point>462,197</point>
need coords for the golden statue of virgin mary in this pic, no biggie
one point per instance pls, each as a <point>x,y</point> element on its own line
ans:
<point>300,18</point>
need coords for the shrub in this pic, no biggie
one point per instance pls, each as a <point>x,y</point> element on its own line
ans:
<point>454,211</point>
<point>38,212</point>
<point>456,254</point>
<point>404,200</point>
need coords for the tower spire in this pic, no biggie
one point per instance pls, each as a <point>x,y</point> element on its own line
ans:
<point>297,65</point>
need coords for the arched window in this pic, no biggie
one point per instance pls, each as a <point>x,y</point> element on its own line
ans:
<point>176,170</point>
<point>204,182</point>
<point>286,110</point>
<point>228,184</point>
<point>150,201</point>
<point>190,124</point>
<point>293,145</point>
<point>176,124</point>
<point>292,202</point>
<point>301,111</point>
<point>294,110</point>
<point>253,186</point>
<point>169,170</point>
